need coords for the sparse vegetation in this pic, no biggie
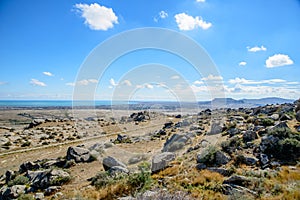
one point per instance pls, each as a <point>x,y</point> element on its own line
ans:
<point>19,180</point>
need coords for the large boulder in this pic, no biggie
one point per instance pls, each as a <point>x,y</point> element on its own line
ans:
<point>221,158</point>
<point>46,178</point>
<point>13,192</point>
<point>298,116</point>
<point>79,154</point>
<point>110,162</point>
<point>161,161</point>
<point>176,142</point>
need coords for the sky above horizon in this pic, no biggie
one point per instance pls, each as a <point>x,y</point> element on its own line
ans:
<point>254,46</point>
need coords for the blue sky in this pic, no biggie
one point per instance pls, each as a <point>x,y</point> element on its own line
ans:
<point>254,45</point>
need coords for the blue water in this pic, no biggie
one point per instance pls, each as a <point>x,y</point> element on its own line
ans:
<point>58,103</point>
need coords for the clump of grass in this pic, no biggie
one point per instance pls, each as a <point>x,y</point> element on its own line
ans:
<point>19,180</point>
<point>110,186</point>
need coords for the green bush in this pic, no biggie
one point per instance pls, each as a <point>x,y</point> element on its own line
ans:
<point>19,180</point>
<point>26,197</point>
<point>210,156</point>
<point>267,122</point>
<point>229,146</point>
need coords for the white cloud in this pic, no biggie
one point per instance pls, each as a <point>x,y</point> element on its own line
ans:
<point>3,83</point>
<point>186,22</point>
<point>198,82</point>
<point>48,73</point>
<point>174,77</point>
<point>36,82</point>
<point>127,83</point>
<point>212,78</point>
<point>112,82</point>
<point>251,82</point>
<point>278,60</point>
<point>83,82</point>
<point>163,14</point>
<point>97,17</point>
<point>243,63</point>
<point>257,48</point>
<point>200,1</point>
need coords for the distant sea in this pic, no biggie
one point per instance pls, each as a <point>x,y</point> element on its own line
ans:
<point>59,103</point>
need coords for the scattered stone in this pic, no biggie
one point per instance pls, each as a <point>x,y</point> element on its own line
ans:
<point>216,128</point>
<point>237,180</point>
<point>110,162</point>
<point>79,154</point>
<point>249,136</point>
<point>39,196</point>
<point>176,142</point>
<point>29,166</point>
<point>284,117</point>
<point>221,171</point>
<point>250,160</point>
<point>264,159</point>
<point>274,116</point>
<point>201,166</point>
<point>52,189</point>
<point>12,192</point>
<point>161,161</point>
<point>9,175</point>
<point>233,131</point>
<point>222,158</point>
<point>168,125</point>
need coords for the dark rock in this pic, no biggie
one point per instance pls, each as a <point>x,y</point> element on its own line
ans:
<point>79,154</point>
<point>264,159</point>
<point>222,158</point>
<point>250,160</point>
<point>237,180</point>
<point>298,116</point>
<point>233,131</point>
<point>110,162</point>
<point>221,171</point>
<point>281,125</point>
<point>29,166</point>
<point>46,178</point>
<point>284,117</point>
<point>249,136</point>
<point>168,125</point>
<point>123,139</point>
<point>201,166</point>
<point>35,123</point>
<point>9,175</point>
<point>161,161</point>
<point>216,128</point>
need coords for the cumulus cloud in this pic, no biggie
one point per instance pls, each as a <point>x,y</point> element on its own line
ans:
<point>83,82</point>
<point>212,78</point>
<point>243,63</point>
<point>163,14</point>
<point>48,73</point>
<point>97,17</point>
<point>36,82</point>
<point>112,82</point>
<point>146,85</point>
<point>200,1</point>
<point>257,48</point>
<point>186,22</point>
<point>198,82</point>
<point>278,60</point>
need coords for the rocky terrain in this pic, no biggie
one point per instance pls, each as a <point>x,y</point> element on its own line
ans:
<point>243,153</point>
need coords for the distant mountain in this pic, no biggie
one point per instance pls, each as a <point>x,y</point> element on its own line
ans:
<point>233,103</point>
<point>269,100</point>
